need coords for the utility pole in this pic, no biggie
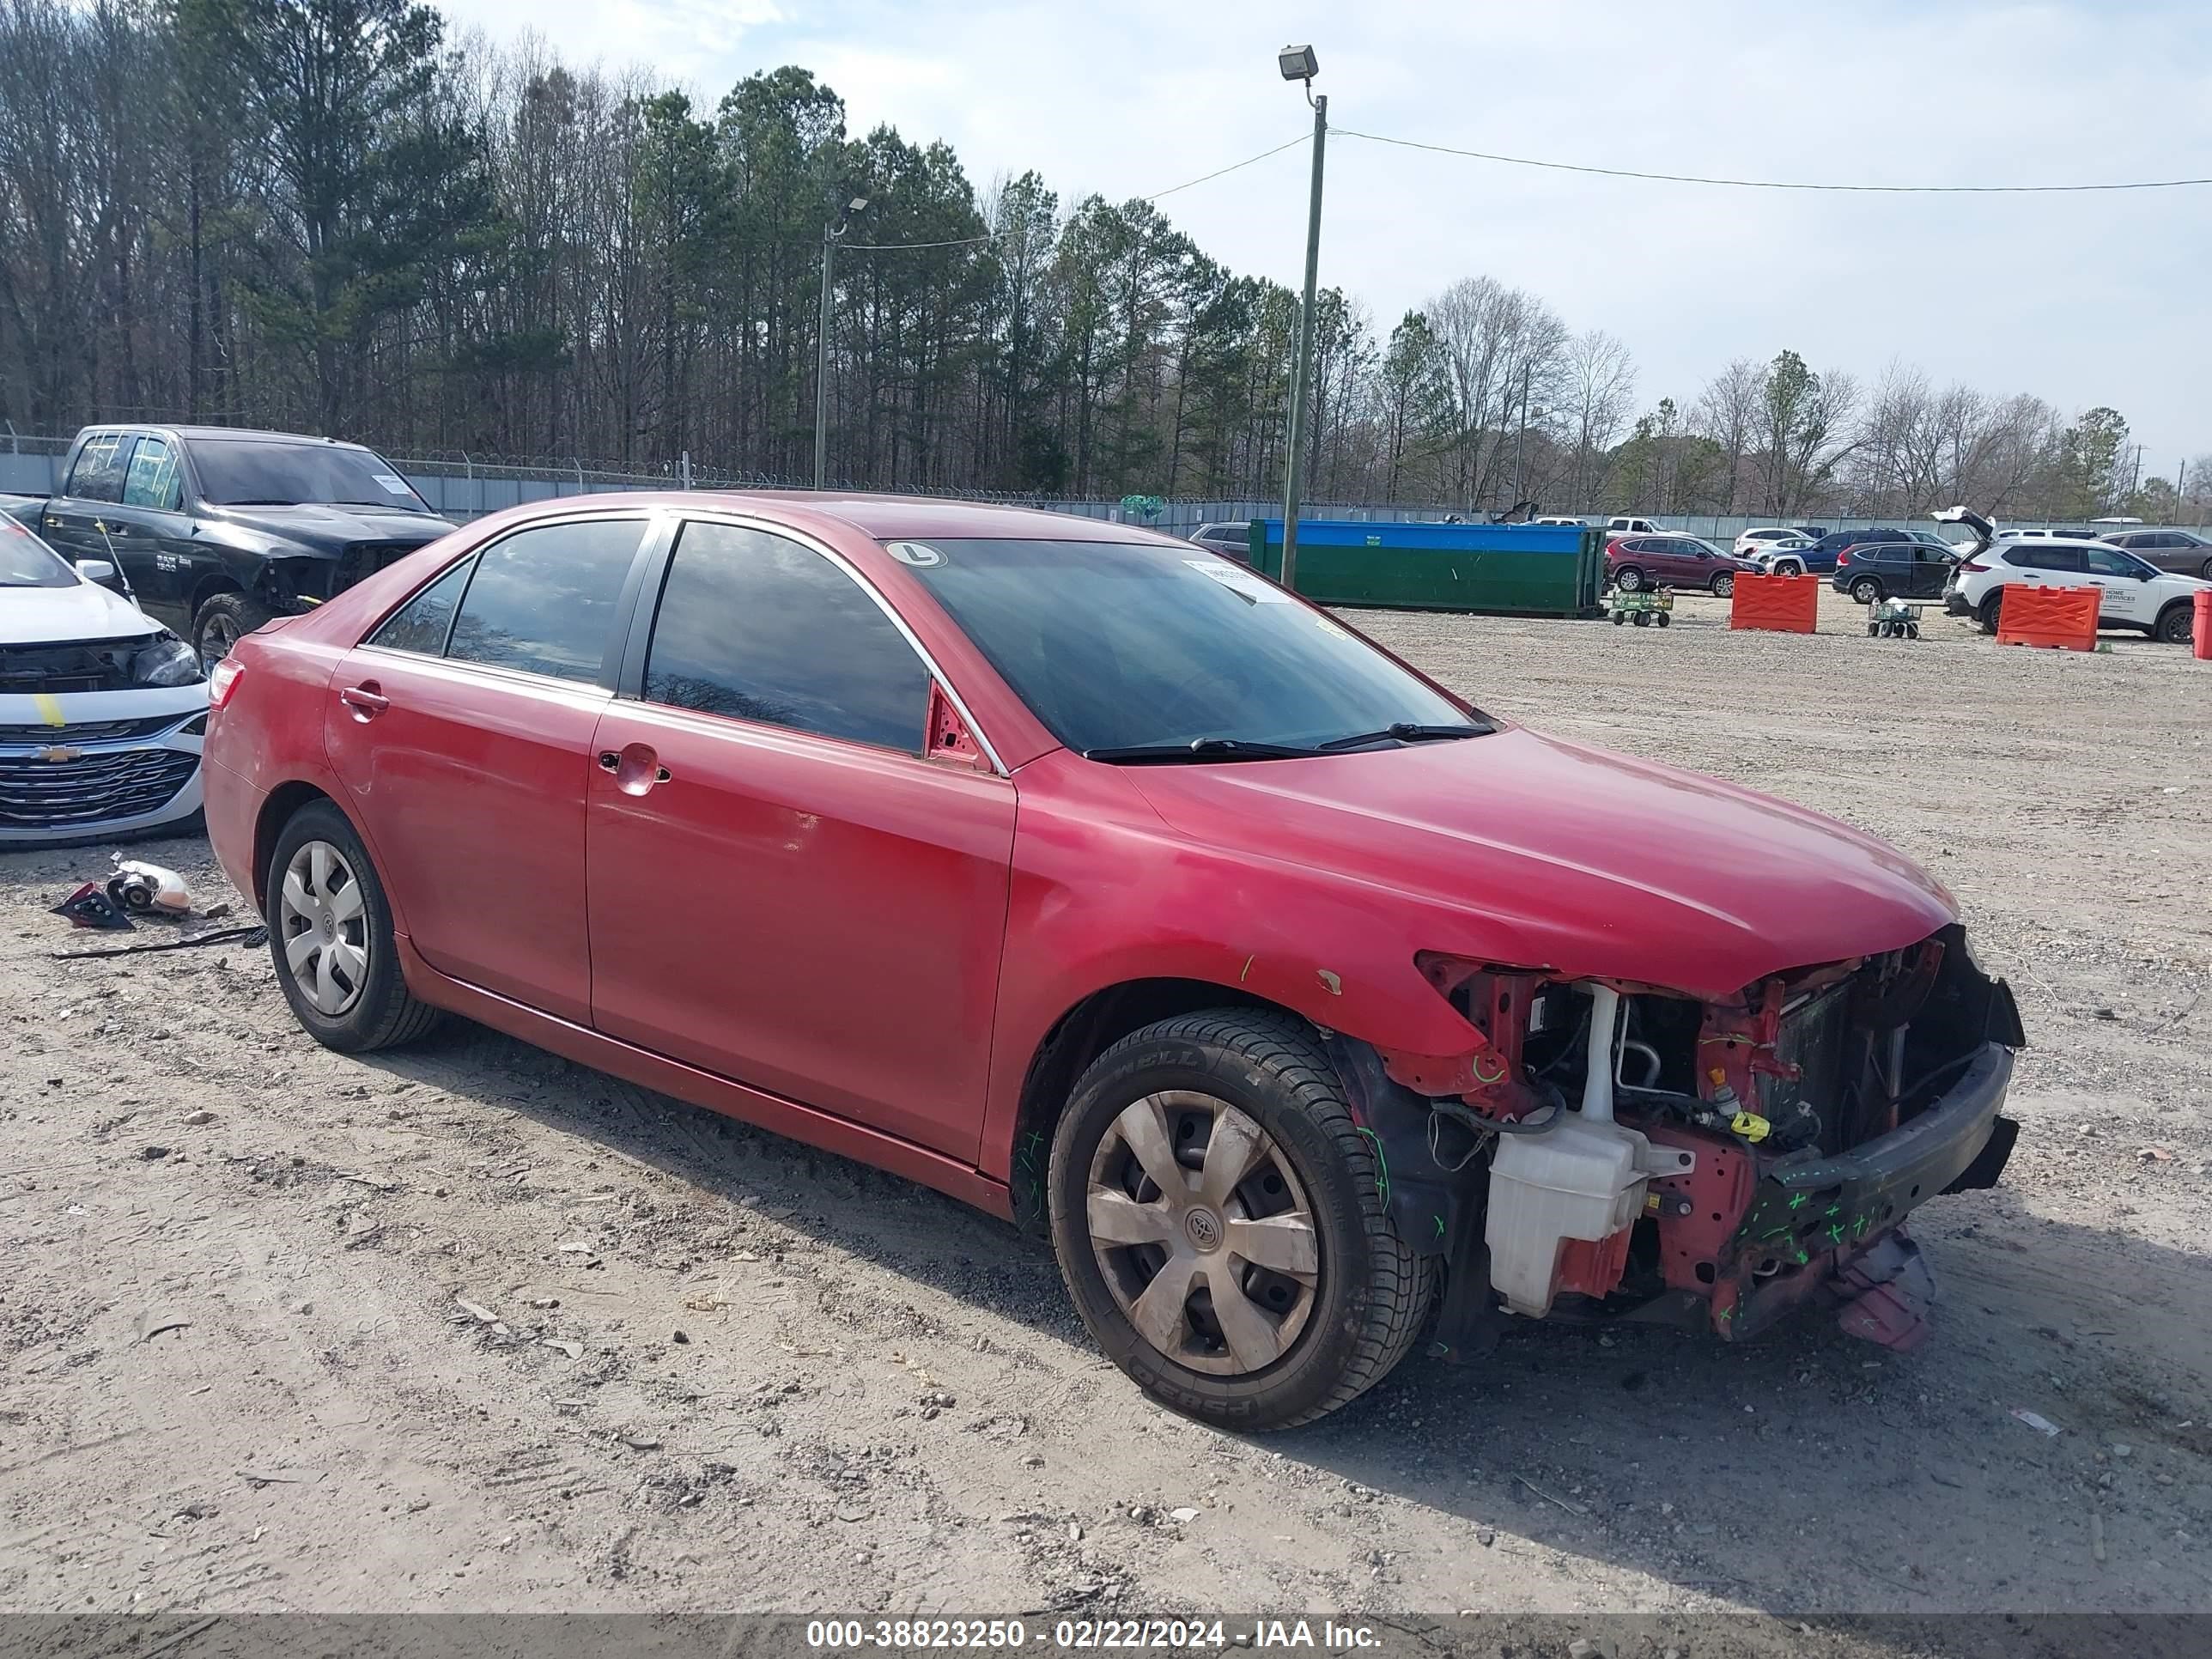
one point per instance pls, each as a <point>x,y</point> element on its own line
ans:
<point>831,235</point>
<point>1521,441</point>
<point>1299,64</point>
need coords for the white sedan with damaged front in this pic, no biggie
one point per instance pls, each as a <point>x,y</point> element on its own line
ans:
<point>102,710</point>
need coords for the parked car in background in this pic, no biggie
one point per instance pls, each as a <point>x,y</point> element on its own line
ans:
<point>1753,543</point>
<point>1784,557</point>
<point>1231,539</point>
<point>1127,895</point>
<point>217,530</point>
<point>101,709</point>
<point>1638,561</point>
<point>2184,552</point>
<point>1583,523</point>
<point>1820,557</point>
<point>1633,526</point>
<point>1914,570</point>
<point>2137,594</point>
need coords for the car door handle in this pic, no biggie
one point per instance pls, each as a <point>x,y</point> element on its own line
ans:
<point>636,768</point>
<point>366,701</point>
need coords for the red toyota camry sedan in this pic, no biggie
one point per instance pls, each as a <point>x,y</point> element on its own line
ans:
<point>1093,878</point>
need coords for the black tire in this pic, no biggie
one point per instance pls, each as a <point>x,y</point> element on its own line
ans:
<point>223,621</point>
<point>1628,579</point>
<point>1663,618</point>
<point>1619,618</point>
<point>1787,568</point>
<point>1866,590</point>
<point>1992,608</point>
<point>1913,630</point>
<point>1370,1293</point>
<point>2176,623</point>
<point>1724,586</point>
<point>382,1014</point>
<point>1874,630</point>
<point>1642,619</point>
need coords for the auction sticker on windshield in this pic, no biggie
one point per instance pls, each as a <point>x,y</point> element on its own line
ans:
<point>391,482</point>
<point>1238,580</point>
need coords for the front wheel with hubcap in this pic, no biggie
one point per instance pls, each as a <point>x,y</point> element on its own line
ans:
<point>330,934</point>
<point>1219,1218</point>
<point>1724,586</point>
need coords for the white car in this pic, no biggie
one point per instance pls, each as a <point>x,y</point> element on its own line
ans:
<point>102,710</point>
<point>1782,557</point>
<point>1753,543</point>
<point>2137,592</point>
<point>1618,527</point>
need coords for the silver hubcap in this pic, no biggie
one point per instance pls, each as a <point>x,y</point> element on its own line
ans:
<point>217,640</point>
<point>1630,580</point>
<point>324,927</point>
<point>1203,1233</point>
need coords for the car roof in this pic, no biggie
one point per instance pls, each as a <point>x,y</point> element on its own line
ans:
<point>243,434</point>
<point>882,517</point>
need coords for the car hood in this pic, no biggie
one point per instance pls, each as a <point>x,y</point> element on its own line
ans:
<point>329,528</point>
<point>1562,856</point>
<point>82,611</point>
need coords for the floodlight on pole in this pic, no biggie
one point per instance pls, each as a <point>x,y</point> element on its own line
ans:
<point>831,233</point>
<point>1300,63</point>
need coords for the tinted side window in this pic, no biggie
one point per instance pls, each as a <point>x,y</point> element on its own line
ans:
<point>423,621</point>
<point>2056,558</point>
<point>758,628</point>
<point>542,600</point>
<point>98,474</point>
<point>152,480</point>
<point>2113,563</point>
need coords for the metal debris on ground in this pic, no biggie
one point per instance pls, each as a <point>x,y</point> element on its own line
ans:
<point>2037,1421</point>
<point>254,935</point>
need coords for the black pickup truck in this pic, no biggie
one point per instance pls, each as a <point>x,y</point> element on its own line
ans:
<point>217,530</point>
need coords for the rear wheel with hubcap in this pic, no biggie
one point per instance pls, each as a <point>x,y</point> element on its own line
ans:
<point>1866,590</point>
<point>1628,579</point>
<point>1992,608</point>
<point>1218,1219</point>
<point>2176,623</point>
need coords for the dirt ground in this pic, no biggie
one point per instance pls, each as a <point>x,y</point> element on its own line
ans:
<point>468,1326</point>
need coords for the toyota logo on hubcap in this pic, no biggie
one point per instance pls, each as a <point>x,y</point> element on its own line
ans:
<point>1203,1229</point>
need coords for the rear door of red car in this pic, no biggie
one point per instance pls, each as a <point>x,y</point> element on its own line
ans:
<point>463,728</point>
<point>782,890</point>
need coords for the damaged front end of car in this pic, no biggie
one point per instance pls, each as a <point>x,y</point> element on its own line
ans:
<point>1607,1149</point>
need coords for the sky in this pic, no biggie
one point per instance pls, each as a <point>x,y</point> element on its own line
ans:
<point>2081,299</point>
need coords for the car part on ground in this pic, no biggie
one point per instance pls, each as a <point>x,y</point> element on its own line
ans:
<point>1235,1006</point>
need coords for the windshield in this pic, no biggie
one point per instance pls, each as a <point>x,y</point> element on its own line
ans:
<point>1118,645</point>
<point>26,561</point>
<point>245,471</point>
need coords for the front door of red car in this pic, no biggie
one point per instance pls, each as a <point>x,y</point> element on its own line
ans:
<point>463,728</point>
<point>782,890</point>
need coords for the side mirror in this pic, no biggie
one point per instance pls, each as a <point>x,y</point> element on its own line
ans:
<point>95,570</point>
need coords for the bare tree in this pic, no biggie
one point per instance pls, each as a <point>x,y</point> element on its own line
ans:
<point>1729,411</point>
<point>1598,388</point>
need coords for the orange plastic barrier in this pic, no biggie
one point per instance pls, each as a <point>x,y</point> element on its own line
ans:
<point>2204,626</point>
<point>2065,618</point>
<point>1785,604</point>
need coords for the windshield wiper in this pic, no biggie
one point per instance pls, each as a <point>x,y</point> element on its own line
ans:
<point>1409,731</point>
<point>1198,748</point>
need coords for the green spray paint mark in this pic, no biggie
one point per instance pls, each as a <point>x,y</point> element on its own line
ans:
<point>1382,1168</point>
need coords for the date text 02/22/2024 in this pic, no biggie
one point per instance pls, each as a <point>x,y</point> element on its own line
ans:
<point>1090,1635</point>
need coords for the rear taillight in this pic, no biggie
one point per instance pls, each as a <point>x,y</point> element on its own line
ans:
<point>1842,559</point>
<point>1974,564</point>
<point>224,681</point>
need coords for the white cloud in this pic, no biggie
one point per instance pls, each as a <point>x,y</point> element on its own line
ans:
<point>2083,299</point>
